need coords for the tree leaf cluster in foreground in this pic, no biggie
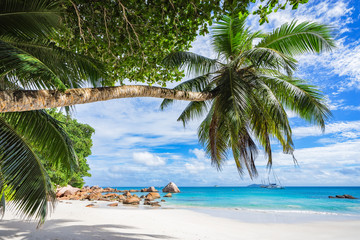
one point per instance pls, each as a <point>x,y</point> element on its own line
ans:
<point>132,37</point>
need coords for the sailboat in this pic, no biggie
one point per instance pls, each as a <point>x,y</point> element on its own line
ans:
<point>273,185</point>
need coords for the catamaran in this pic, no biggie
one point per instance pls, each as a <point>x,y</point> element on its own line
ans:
<point>272,185</point>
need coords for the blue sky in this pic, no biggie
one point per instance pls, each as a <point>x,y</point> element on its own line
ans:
<point>136,144</point>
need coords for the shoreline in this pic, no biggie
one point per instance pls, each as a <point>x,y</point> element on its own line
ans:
<point>240,214</point>
<point>75,221</point>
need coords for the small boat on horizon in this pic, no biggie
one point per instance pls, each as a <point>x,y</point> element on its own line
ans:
<point>272,185</point>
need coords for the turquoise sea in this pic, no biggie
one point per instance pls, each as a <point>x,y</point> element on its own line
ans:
<point>290,199</point>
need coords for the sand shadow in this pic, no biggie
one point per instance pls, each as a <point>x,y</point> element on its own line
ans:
<point>55,230</point>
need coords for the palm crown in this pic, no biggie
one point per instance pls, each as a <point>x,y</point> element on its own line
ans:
<point>253,84</point>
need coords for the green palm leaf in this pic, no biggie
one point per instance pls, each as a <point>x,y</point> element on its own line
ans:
<point>294,39</point>
<point>41,64</point>
<point>304,99</point>
<point>194,64</point>
<point>30,18</point>
<point>24,176</point>
<point>45,134</point>
<point>197,84</point>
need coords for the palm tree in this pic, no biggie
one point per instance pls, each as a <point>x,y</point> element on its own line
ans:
<point>253,85</point>
<point>29,60</point>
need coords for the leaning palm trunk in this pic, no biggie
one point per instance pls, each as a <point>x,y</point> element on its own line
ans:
<point>26,100</point>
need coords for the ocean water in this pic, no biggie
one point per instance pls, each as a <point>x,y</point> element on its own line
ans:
<point>290,199</point>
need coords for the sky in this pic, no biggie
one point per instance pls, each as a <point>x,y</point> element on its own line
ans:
<point>136,144</point>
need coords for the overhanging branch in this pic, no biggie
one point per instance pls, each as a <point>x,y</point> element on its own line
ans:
<point>26,100</point>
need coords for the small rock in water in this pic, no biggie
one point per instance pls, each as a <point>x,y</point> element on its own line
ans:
<point>152,189</point>
<point>340,196</point>
<point>343,196</point>
<point>162,200</point>
<point>90,205</point>
<point>349,196</point>
<point>168,195</point>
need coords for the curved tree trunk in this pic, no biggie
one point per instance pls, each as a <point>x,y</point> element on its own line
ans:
<point>26,100</point>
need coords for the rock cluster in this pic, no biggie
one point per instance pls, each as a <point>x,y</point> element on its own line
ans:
<point>95,193</point>
<point>150,189</point>
<point>343,196</point>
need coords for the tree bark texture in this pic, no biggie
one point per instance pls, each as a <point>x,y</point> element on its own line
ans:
<point>26,100</point>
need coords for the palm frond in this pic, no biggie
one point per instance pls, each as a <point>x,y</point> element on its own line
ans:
<point>27,68</point>
<point>197,84</point>
<point>39,63</point>
<point>192,111</point>
<point>24,176</point>
<point>2,194</point>
<point>270,59</point>
<point>30,18</point>
<point>300,97</point>
<point>228,34</point>
<point>293,39</point>
<point>45,134</point>
<point>193,63</point>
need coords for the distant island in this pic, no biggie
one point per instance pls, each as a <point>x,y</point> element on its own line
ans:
<point>254,185</point>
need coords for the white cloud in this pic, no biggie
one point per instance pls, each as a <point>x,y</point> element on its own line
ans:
<point>148,159</point>
<point>338,127</point>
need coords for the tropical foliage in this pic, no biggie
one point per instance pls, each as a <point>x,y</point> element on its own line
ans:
<point>253,81</point>
<point>30,60</point>
<point>80,135</point>
<point>132,37</point>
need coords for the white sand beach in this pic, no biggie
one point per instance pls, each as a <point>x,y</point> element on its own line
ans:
<point>72,220</point>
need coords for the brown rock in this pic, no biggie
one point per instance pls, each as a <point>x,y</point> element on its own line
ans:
<point>349,196</point>
<point>69,189</point>
<point>133,190</point>
<point>152,189</point>
<point>74,197</point>
<point>155,204</point>
<point>95,187</point>
<point>94,196</point>
<point>90,205</point>
<point>111,195</point>
<point>121,197</point>
<point>108,189</point>
<point>332,197</point>
<point>67,193</point>
<point>168,195</point>
<point>144,190</point>
<point>339,196</point>
<point>171,188</point>
<point>127,194</point>
<point>153,195</point>
<point>113,204</point>
<point>132,200</point>
<point>162,200</point>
